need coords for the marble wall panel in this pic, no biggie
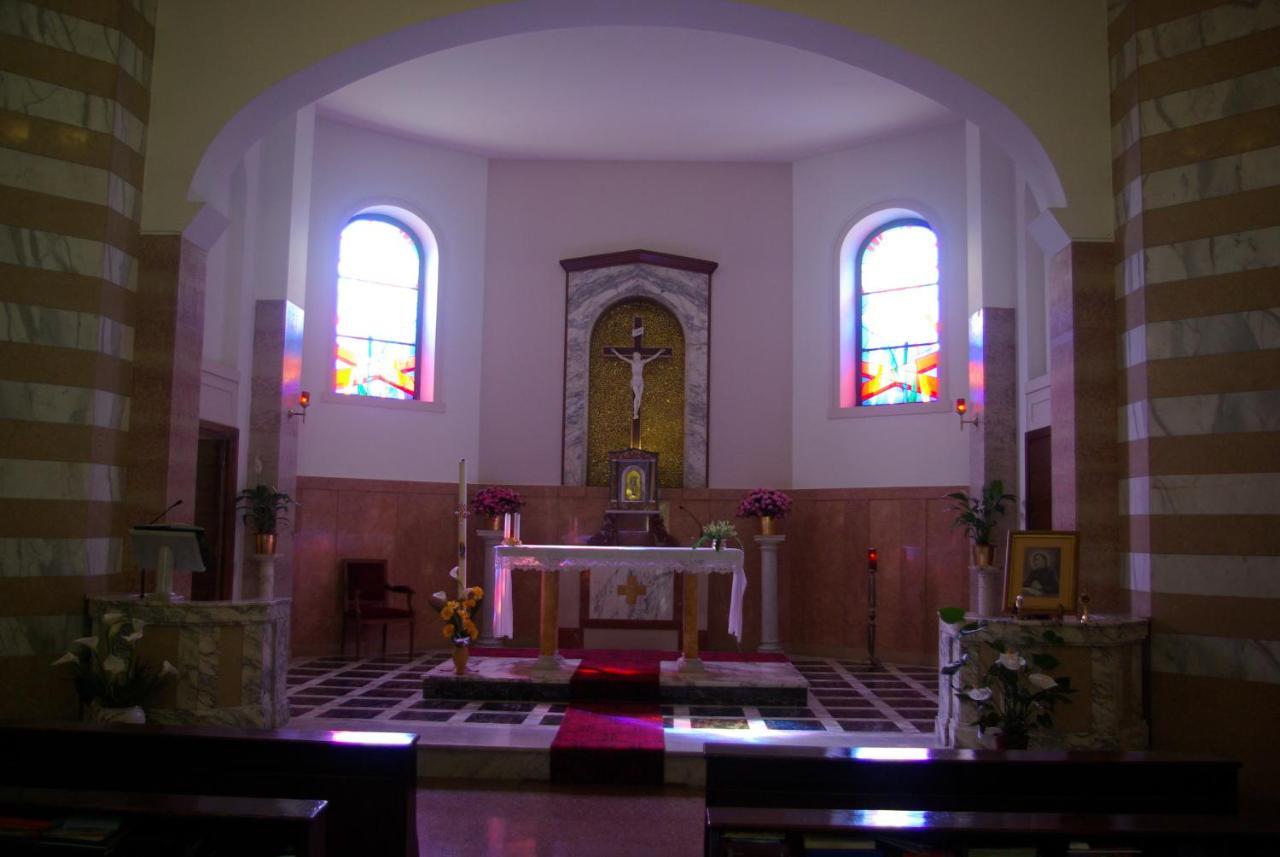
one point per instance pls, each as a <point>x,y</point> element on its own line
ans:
<point>75,35</point>
<point>1212,26</point>
<point>46,100</point>
<point>35,325</point>
<point>57,403</point>
<point>822,578</point>
<point>688,295</point>
<point>1216,657</point>
<point>47,251</point>
<point>34,557</point>
<point>1221,254</point>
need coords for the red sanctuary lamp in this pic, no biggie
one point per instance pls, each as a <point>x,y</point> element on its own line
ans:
<point>873,558</point>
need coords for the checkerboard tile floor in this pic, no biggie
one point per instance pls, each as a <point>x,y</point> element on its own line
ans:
<point>844,696</point>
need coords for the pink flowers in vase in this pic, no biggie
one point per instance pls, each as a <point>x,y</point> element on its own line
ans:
<point>496,501</point>
<point>764,503</point>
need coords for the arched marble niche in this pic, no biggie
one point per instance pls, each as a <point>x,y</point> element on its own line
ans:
<point>596,283</point>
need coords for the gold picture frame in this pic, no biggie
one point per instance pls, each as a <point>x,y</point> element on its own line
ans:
<point>1040,565</point>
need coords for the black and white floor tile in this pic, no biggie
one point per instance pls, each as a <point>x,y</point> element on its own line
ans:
<point>844,697</point>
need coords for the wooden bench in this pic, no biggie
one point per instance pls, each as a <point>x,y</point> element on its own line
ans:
<point>247,824</point>
<point>969,780</point>
<point>368,779</point>
<point>765,800</point>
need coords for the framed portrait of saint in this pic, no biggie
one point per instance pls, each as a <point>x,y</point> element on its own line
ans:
<point>1040,565</point>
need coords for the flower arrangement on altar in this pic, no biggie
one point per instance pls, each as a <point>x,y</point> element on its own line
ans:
<point>1013,697</point>
<point>107,670</point>
<point>717,533</point>
<point>496,501</point>
<point>764,503</point>
<point>457,613</point>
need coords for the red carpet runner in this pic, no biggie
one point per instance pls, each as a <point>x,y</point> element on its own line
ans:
<point>612,730</point>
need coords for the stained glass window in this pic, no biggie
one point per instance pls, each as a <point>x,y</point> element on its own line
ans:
<point>897,326</point>
<point>379,309</point>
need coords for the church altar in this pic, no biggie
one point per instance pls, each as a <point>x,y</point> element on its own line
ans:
<point>552,559</point>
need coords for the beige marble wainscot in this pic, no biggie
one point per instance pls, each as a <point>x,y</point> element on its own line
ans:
<point>232,658</point>
<point>1103,659</point>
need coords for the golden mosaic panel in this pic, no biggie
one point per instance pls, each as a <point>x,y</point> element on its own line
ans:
<point>609,392</point>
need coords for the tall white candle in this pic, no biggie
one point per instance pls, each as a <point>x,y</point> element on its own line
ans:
<point>462,527</point>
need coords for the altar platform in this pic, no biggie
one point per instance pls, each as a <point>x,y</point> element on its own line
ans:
<point>846,705</point>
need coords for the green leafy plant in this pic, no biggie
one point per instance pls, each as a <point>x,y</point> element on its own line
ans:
<point>107,670</point>
<point>263,508</point>
<point>717,533</point>
<point>1015,695</point>
<point>979,515</point>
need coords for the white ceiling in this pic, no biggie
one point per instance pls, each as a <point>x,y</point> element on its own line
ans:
<point>634,93</point>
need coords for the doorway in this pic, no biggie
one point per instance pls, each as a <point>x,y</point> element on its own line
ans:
<point>1039,475</point>
<point>215,509</point>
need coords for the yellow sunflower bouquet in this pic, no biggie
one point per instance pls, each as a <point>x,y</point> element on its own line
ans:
<point>457,614</point>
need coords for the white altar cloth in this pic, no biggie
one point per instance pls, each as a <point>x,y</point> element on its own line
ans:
<point>579,557</point>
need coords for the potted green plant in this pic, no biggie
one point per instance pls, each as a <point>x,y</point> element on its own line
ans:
<point>263,508</point>
<point>717,534</point>
<point>113,682</point>
<point>1014,696</point>
<point>979,516</point>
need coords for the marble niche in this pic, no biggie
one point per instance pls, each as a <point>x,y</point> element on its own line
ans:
<point>1103,659</point>
<point>596,283</point>
<point>232,658</point>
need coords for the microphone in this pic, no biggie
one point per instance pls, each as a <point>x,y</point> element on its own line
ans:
<point>172,506</point>
<point>691,515</point>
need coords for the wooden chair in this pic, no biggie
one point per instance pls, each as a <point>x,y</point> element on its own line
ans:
<point>367,596</point>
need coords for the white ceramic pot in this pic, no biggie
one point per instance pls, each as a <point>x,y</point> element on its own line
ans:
<point>132,714</point>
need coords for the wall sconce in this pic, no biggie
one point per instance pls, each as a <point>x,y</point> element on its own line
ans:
<point>962,408</point>
<point>304,401</point>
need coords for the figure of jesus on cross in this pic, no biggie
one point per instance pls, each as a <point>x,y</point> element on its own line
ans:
<point>638,357</point>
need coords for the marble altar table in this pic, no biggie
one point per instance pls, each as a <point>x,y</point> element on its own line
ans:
<point>550,560</point>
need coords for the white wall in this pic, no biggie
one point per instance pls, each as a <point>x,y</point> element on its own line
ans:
<point>736,214</point>
<point>346,436</point>
<point>924,172</point>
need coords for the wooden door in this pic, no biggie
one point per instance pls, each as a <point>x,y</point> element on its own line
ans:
<point>215,509</point>
<point>1038,470</point>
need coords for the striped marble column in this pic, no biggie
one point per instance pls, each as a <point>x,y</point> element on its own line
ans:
<point>1195,107</point>
<point>74,102</point>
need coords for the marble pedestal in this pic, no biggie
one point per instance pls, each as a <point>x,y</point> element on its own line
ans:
<point>1103,659</point>
<point>491,539</point>
<point>232,658</point>
<point>769,592</point>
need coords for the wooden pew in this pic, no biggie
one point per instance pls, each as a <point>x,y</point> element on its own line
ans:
<point>368,779</point>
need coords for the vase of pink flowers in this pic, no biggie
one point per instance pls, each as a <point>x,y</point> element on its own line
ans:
<point>494,502</point>
<point>767,504</point>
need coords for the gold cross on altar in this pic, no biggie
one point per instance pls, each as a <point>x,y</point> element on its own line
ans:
<point>633,589</point>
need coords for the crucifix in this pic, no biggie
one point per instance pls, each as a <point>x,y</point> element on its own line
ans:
<point>637,357</point>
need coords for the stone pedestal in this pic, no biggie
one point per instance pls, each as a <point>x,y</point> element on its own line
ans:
<point>990,589</point>
<point>769,592</point>
<point>232,658</point>
<point>266,575</point>
<point>485,618</point>
<point>1103,659</point>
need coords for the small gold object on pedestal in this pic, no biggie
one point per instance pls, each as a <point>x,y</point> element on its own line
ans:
<point>766,525</point>
<point>460,656</point>
<point>1084,608</point>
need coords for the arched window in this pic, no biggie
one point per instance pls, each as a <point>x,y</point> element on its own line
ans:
<point>896,323</point>
<point>378,346</point>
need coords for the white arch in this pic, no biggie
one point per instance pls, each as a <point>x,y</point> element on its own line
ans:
<point>724,16</point>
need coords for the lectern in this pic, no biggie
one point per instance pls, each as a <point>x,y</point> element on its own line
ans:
<point>168,548</point>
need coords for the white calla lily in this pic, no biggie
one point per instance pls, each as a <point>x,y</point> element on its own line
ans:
<point>1042,681</point>
<point>90,643</point>
<point>1012,661</point>
<point>168,669</point>
<point>979,694</point>
<point>132,638</point>
<point>112,618</point>
<point>68,658</point>
<point>113,664</point>
<point>137,625</point>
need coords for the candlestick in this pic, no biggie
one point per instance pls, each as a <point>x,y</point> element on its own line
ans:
<point>462,528</point>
